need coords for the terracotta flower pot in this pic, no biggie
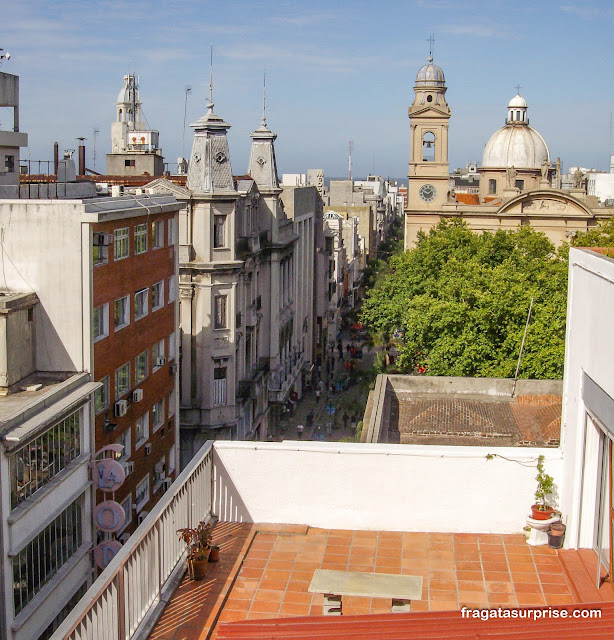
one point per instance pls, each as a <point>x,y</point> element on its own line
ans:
<point>199,569</point>
<point>556,535</point>
<point>538,514</point>
<point>214,554</point>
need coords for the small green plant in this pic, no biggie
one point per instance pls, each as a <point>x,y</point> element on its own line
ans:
<point>545,485</point>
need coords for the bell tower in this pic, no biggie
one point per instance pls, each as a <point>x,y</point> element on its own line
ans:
<point>428,162</point>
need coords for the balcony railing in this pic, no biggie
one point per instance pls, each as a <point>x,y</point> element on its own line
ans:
<point>126,593</point>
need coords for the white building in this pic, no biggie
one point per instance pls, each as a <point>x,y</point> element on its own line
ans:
<point>10,137</point>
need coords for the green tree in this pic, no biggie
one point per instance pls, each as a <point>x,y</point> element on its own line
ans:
<point>600,236</point>
<point>459,303</point>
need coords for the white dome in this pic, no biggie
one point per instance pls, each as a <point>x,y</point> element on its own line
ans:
<point>515,146</point>
<point>430,74</point>
<point>517,102</point>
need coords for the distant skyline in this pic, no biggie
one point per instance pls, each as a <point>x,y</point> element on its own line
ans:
<point>335,71</point>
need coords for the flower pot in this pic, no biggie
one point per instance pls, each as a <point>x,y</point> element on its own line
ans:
<point>556,535</point>
<point>538,514</point>
<point>214,554</point>
<point>199,569</point>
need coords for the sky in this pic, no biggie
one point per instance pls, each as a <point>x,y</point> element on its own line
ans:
<point>335,72</point>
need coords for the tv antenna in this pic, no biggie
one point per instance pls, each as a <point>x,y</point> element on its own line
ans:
<point>187,90</point>
<point>350,145</point>
<point>4,56</point>
<point>95,132</point>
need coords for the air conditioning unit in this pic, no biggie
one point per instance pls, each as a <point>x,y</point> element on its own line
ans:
<point>121,408</point>
<point>147,449</point>
<point>160,362</point>
<point>137,395</point>
<point>173,368</point>
<point>128,468</point>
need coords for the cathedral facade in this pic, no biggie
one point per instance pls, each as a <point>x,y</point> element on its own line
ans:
<point>518,185</point>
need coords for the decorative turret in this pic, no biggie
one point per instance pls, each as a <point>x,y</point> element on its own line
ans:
<point>262,165</point>
<point>209,170</point>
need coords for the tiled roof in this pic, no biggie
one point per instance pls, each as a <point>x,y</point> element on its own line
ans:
<point>427,626</point>
<point>529,420</point>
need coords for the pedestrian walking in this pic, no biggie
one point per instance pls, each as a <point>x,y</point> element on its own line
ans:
<point>310,419</point>
<point>299,431</point>
<point>318,394</point>
<point>345,419</point>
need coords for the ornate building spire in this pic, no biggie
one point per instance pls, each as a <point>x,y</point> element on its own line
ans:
<point>262,164</point>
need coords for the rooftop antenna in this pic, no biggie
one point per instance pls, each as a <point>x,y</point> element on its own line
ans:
<point>96,132</point>
<point>350,145</point>
<point>210,105</point>
<point>610,138</point>
<point>431,41</point>
<point>264,101</point>
<point>188,88</point>
<point>524,335</point>
<point>4,56</point>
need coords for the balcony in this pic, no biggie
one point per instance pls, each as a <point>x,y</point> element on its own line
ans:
<point>284,376</point>
<point>433,511</point>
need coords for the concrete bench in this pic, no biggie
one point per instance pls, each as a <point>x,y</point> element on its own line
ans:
<point>336,584</point>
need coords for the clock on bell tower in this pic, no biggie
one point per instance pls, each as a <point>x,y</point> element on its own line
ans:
<point>428,163</point>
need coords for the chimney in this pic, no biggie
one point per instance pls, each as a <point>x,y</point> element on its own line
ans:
<point>56,157</point>
<point>81,159</point>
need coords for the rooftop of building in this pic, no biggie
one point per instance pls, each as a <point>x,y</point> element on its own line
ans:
<point>467,411</point>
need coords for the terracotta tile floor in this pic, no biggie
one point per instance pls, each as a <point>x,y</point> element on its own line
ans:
<point>458,569</point>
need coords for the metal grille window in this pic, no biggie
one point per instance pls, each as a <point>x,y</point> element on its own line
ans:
<point>219,386</point>
<point>142,493</point>
<point>141,430</point>
<point>157,295</point>
<point>42,557</point>
<point>121,313</point>
<point>33,465</point>
<point>121,246</point>
<point>220,312</point>
<point>140,238</point>
<point>157,414</point>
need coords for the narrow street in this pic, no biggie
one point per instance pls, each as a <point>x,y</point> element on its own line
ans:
<point>322,418</point>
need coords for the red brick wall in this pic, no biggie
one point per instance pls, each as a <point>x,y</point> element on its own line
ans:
<point>114,280</point>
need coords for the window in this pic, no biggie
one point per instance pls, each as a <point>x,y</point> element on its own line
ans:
<point>158,355</point>
<point>9,163</point>
<point>142,493</point>
<point>429,98</point>
<point>140,238</point>
<point>171,232</point>
<point>171,403</point>
<point>172,289</point>
<point>157,295</point>
<point>219,386</point>
<point>129,163</point>
<point>520,184</point>
<point>125,439</point>
<point>219,227</point>
<point>428,147</point>
<point>159,472</point>
<point>157,234</point>
<point>101,322</point>
<point>36,564</point>
<point>172,347</point>
<point>157,415</point>
<point>141,430</point>
<point>171,459</point>
<point>220,311</point>
<point>121,314</point>
<point>140,303</point>
<point>127,507</point>
<point>492,186</point>
<point>141,367</point>
<point>34,464</point>
<point>122,380</point>
<point>100,254</point>
<point>121,247</point>
<point>101,396</point>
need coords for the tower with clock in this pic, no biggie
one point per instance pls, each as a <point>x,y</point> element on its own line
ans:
<point>428,163</point>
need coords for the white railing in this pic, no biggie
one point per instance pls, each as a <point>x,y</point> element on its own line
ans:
<point>127,591</point>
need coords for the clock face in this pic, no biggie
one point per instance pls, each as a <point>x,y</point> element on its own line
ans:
<point>427,192</point>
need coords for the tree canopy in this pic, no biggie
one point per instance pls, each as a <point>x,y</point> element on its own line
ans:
<point>457,303</point>
<point>600,236</point>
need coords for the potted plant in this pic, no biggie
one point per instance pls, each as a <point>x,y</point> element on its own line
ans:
<point>198,542</point>
<point>556,535</point>
<point>545,484</point>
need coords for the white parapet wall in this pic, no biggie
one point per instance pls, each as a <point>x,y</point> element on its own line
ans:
<point>378,486</point>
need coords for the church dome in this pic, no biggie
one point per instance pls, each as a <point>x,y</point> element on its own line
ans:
<point>516,144</point>
<point>430,75</point>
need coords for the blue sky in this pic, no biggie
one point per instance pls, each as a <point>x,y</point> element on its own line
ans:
<point>335,71</point>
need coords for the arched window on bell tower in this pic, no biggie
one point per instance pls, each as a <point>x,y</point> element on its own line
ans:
<point>428,147</point>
